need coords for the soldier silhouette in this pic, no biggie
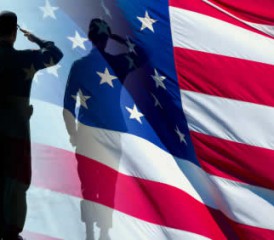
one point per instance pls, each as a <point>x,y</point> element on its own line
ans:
<point>17,68</point>
<point>93,79</point>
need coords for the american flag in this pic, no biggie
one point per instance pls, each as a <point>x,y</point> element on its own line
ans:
<point>195,160</point>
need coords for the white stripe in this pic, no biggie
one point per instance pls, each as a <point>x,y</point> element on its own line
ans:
<point>155,164</point>
<point>242,203</point>
<point>119,151</point>
<point>268,29</point>
<point>262,27</point>
<point>229,119</point>
<point>256,206</point>
<point>59,215</point>
<point>203,33</point>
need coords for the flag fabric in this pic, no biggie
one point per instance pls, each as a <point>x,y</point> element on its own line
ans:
<point>186,147</point>
<point>255,15</point>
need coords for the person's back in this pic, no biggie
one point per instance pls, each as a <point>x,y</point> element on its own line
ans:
<point>93,93</point>
<point>13,71</point>
<point>17,69</point>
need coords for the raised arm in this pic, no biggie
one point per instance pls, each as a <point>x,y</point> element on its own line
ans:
<point>48,54</point>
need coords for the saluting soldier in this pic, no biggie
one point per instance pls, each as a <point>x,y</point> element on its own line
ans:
<point>96,109</point>
<point>17,69</point>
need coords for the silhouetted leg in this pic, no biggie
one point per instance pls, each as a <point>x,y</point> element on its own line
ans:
<point>87,219</point>
<point>14,208</point>
<point>16,184</point>
<point>98,183</point>
<point>3,171</point>
<point>87,213</point>
<point>1,195</point>
<point>1,207</point>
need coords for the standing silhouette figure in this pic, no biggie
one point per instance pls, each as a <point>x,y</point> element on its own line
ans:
<point>17,69</point>
<point>91,84</point>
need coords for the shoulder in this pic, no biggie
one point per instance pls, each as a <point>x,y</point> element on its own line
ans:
<point>83,61</point>
<point>77,63</point>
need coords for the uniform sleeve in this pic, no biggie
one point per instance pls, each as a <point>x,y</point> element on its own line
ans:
<point>136,54</point>
<point>48,55</point>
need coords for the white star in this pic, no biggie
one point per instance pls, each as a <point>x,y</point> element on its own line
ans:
<point>52,68</point>
<point>147,22</point>
<point>106,77</point>
<point>157,103</point>
<point>78,41</point>
<point>134,113</point>
<point>80,99</point>
<point>181,135</point>
<point>159,80</point>
<point>48,10</point>
<point>131,46</point>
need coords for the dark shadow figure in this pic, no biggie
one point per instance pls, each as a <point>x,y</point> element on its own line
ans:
<point>17,69</point>
<point>87,77</point>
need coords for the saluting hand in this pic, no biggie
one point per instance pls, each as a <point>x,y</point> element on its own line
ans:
<point>29,35</point>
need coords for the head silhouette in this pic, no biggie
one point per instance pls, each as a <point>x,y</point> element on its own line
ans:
<point>99,33</point>
<point>8,25</point>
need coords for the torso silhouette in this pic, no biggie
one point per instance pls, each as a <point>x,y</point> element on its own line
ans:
<point>101,108</point>
<point>17,69</point>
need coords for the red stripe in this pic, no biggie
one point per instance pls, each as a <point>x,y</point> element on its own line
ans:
<point>51,165</point>
<point>235,161</point>
<point>203,8</point>
<point>225,76</point>
<point>260,12</point>
<point>245,232</point>
<point>147,200</point>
